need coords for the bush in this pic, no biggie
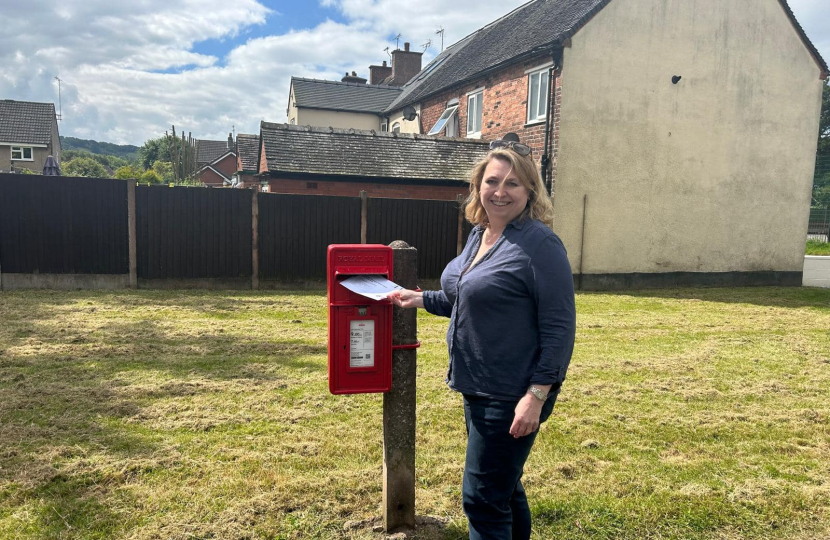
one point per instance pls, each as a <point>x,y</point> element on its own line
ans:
<point>150,177</point>
<point>84,166</point>
<point>128,172</point>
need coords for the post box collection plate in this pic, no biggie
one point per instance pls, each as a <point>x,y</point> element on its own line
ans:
<point>360,329</point>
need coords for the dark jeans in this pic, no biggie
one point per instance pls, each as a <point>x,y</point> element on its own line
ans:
<point>493,496</point>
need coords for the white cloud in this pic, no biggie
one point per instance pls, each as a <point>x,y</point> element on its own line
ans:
<point>130,70</point>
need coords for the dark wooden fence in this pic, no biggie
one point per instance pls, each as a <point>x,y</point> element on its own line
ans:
<point>430,226</point>
<point>186,233</point>
<point>60,225</point>
<point>56,225</point>
<point>295,231</point>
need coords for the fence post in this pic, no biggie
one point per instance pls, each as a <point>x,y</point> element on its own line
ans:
<point>131,234</point>
<point>399,403</point>
<point>459,243</point>
<point>364,216</point>
<point>254,240</point>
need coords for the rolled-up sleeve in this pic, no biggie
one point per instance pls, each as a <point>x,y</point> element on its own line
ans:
<point>437,303</point>
<point>554,293</point>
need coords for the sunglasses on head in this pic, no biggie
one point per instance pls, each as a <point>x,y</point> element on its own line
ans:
<point>519,148</point>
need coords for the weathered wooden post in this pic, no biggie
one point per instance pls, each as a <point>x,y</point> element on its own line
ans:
<point>399,403</point>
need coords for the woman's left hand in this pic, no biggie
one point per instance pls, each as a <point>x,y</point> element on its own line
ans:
<point>526,419</point>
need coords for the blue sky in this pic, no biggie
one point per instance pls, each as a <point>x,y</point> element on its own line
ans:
<point>130,70</point>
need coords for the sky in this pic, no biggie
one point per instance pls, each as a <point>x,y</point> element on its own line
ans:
<point>131,70</point>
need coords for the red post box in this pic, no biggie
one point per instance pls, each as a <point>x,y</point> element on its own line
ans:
<point>360,329</point>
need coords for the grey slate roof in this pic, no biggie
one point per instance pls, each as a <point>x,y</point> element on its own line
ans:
<point>207,151</point>
<point>26,121</point>
<point>343,96</point>
<point>351,152</point>
<point>530,29</point>
<point>247,147</point>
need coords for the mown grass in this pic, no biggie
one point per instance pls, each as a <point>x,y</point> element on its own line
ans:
<point>815,247</point>
<point>687,414</point>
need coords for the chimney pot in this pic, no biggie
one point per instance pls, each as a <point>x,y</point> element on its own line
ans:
<point>384,63</point>
<point>406,46</point>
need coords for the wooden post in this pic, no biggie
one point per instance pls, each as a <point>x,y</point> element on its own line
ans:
<point>131,234</point>
<point>364,216</point>
<point>459,244</point>
<point>254,240</point>
<point>399,404</point>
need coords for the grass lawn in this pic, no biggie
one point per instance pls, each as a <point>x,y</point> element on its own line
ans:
<point>687,414</point>
<point>814,247</point>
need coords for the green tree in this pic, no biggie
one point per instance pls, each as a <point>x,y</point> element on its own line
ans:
<point>128,172</point>
<point>150,177</point>
<point>165,170</point>
<point>153,150</point>
<point>84,166</point>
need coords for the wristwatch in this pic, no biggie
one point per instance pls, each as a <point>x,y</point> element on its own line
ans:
<point>538,393</point>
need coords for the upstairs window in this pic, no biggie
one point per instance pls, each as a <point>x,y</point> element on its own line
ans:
<point>474,113</point>
<point>446,120</point>
<point>384,126</point>
<point>22,153</point>
<point>396,127</point>
<point>537,95</point>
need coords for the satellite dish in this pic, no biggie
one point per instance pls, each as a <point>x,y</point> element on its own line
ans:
<point>409,113</point>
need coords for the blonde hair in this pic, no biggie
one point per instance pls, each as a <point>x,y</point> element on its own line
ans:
<point>538,203</point>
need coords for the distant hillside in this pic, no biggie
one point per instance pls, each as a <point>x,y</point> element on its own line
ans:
<point>126,151</point>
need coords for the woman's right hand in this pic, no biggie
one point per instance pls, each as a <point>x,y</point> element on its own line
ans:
<point>406,298</point>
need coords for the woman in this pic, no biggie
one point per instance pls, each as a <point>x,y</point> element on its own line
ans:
<point>510,300</point>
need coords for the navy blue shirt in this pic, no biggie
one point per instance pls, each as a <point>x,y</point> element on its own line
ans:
<point>512,315</point>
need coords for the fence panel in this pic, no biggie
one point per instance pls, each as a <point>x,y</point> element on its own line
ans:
<point>184,232</point>
<point>60,225</point>
<point>818,227</point>
<point>429,226</point>
<point>295,230</point>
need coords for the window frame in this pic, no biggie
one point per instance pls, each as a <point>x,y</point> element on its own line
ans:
<point>542,97</point>
<point>21,150</point>
<point>446,116</point>
<point>396,127</point>
<point>384,126</point>
<point>477,94</point>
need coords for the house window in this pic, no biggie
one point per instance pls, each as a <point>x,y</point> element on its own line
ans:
<point>22,153</point>
<point>292,121</point>
<point>446,120</point>
<point>474,113</point>
<point>537,95</point>
<point>396,127</point>
<point>384,126</point>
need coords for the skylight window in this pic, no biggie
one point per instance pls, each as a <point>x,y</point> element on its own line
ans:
<point>431,66</point>
<point>442,122</point>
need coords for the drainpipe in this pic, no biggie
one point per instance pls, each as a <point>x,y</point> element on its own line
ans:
<point>556,56</point>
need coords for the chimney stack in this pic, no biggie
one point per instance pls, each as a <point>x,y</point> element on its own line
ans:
<point>405,65</point>
<point>378,73</point>
<point>353,78</point>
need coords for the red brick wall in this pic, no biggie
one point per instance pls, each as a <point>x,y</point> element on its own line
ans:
<point>504,107</point>
<point>210,178</point>
<point>227,165</point>
<point>263,163</point>
<point>353,189</point>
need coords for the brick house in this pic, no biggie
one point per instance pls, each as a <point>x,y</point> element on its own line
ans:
<point>648,120</point>
<point>247,153</point>
<point>329,161</point>
<point>28,135</point>
<point>351,103</point>
<point>216,162</point>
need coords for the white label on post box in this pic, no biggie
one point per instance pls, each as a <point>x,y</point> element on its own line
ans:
<point>362,344</point>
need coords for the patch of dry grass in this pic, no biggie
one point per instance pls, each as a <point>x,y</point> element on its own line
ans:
<point>156,414</point>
